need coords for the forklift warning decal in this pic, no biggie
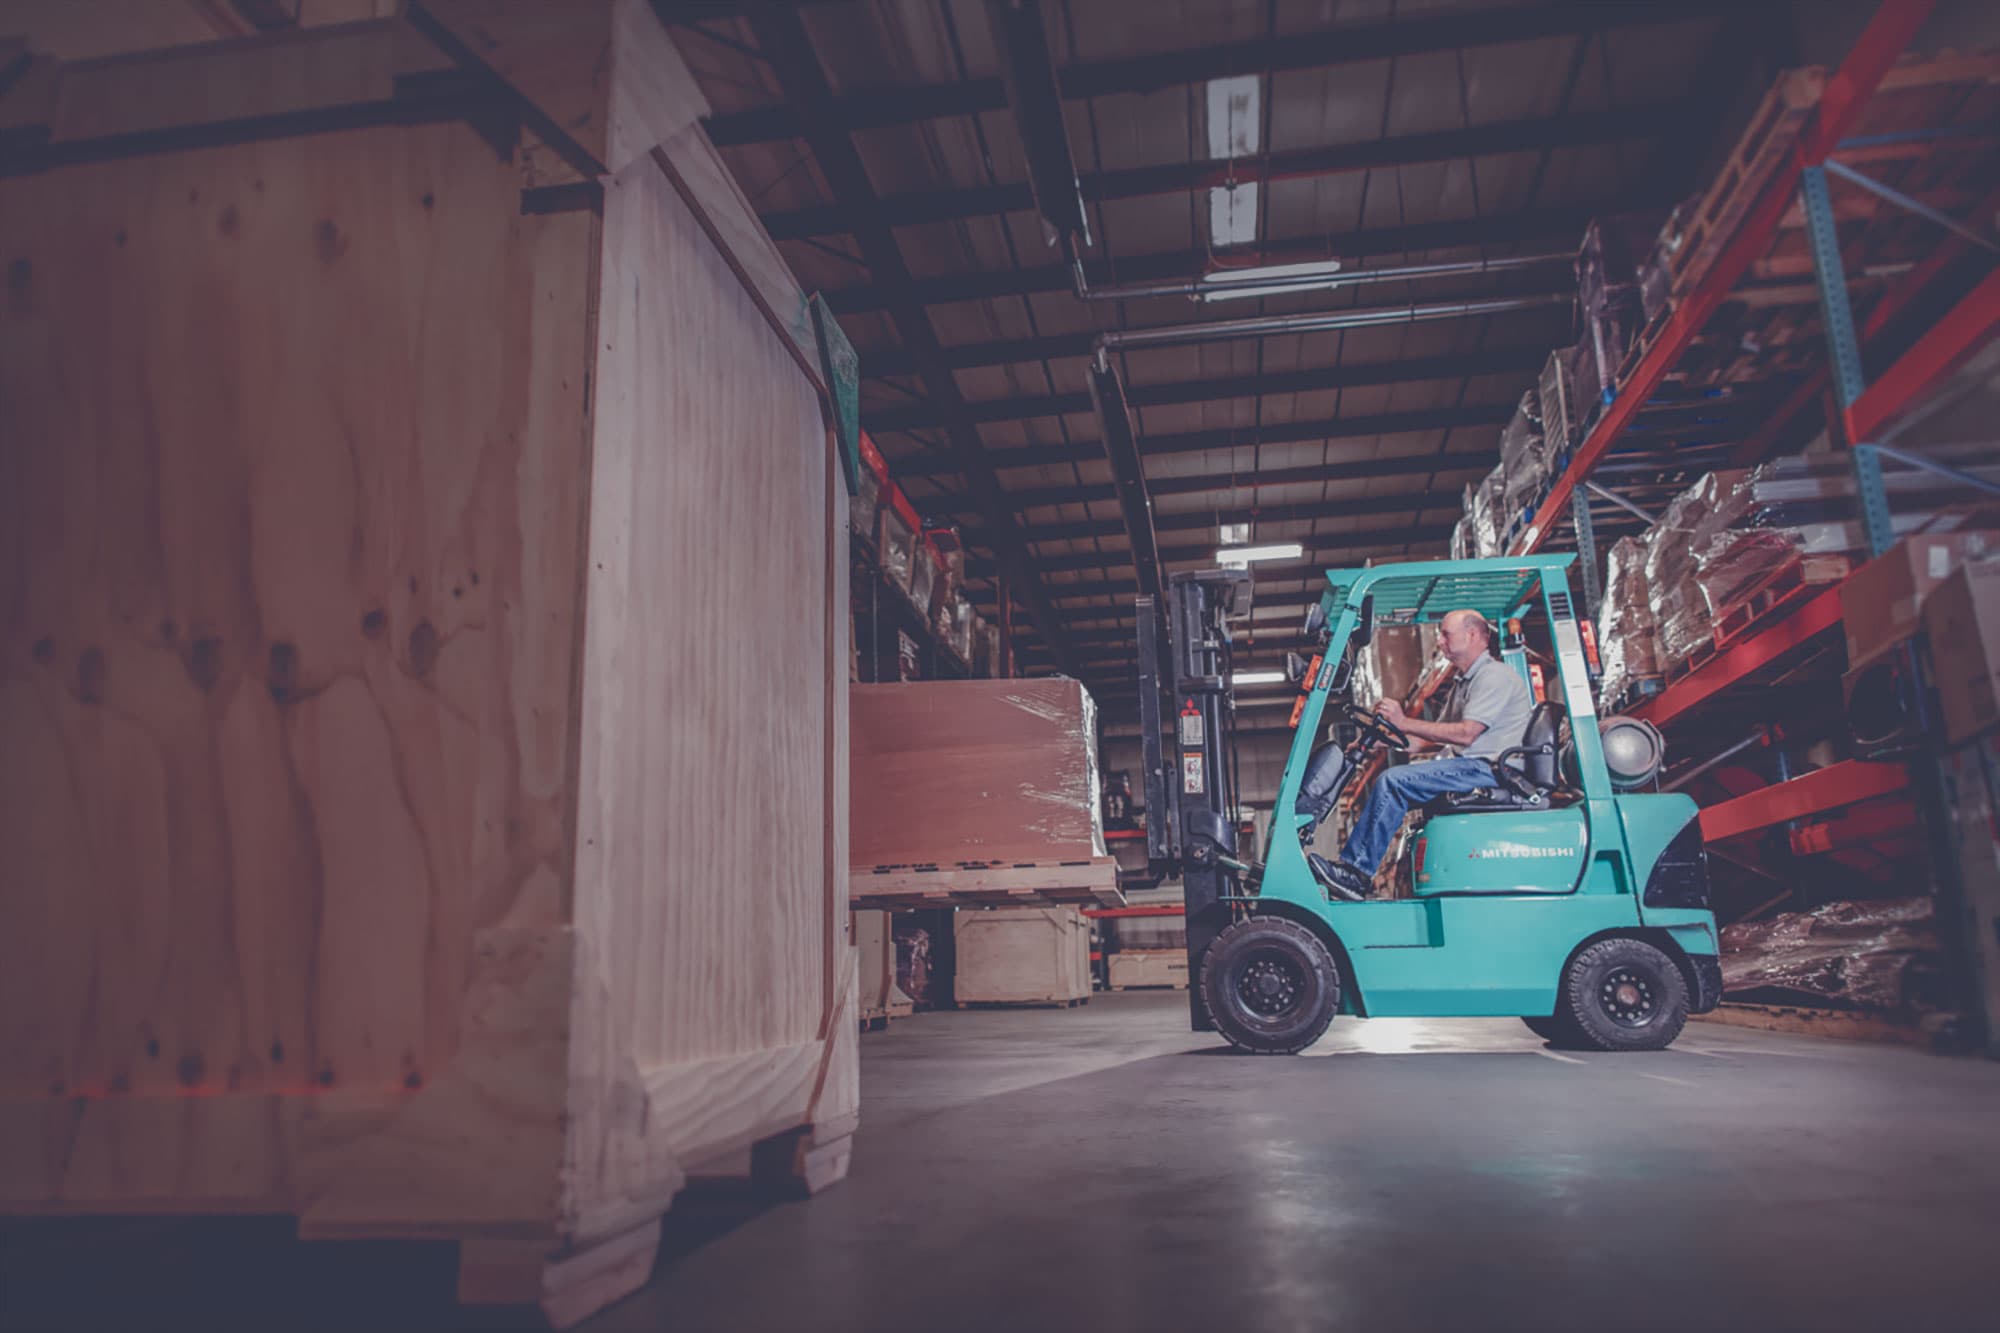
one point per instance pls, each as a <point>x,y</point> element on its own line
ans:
<point>1191,729</point>
<point>1191,774</point>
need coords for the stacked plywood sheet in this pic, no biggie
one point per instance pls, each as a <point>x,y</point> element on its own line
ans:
<point>422,803</point>
<point>977,792</point>
<point>1138,969</point>
<point>1022,955</point>
<point>875,966</point>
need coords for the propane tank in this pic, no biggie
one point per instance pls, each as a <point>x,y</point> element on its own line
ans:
<point>1634,751</point>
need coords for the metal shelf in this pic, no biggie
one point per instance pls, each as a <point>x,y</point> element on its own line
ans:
<point>1823,789</point>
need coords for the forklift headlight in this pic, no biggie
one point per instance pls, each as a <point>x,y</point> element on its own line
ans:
<point>1295,668</point>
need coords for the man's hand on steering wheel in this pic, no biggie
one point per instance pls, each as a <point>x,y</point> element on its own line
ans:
<point>1383,724</point>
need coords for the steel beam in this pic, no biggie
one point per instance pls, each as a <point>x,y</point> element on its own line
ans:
<point>1829,788</point>
<point>1268,433</point>
<point>904,104</point>
<point>928,415</point>
<point>917,207</point>
<point>1962,331</point>
<point>781,35</point>
<point>1415,502</point>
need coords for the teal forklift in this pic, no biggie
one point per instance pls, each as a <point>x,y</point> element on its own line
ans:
<point>1566,894</point>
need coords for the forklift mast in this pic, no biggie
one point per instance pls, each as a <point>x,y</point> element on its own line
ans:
<point>1191,824</point>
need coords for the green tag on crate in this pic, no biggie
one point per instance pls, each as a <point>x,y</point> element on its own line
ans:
<point>841,365</point>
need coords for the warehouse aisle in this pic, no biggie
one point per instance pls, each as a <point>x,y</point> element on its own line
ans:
<point>1104,1169</point>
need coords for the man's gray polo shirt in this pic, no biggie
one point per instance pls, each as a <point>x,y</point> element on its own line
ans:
<point>1492,692</point>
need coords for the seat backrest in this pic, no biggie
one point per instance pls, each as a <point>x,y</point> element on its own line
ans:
<point>1544,729</point>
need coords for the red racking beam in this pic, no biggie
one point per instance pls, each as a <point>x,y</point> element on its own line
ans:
<point>1827,788</point>
<point>1856,828</point>
<point>1847,91</point>
<point>1742,658</point>
<point>1958,335</point>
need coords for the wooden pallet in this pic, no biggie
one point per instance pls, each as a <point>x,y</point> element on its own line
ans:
<point>1810,1020</point>
<point>1789,584</point>
<point>995,884</point>
<point>1760,152</point>
<point>1024,1004</point>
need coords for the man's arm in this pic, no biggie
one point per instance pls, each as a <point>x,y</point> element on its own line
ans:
<point>1438,733</point>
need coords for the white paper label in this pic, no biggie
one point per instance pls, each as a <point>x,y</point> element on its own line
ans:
<point>1940,557</point>
<point>1191,729</point>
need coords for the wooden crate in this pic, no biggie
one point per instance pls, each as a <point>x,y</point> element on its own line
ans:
<point>1138,969</point>
<point>977,792</point>
<point>1022,955</point>
<point>423,807</point>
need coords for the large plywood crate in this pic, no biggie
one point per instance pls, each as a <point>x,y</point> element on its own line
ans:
<point>977,792</point>
<point>1021,955</point>
<point>422,808</point>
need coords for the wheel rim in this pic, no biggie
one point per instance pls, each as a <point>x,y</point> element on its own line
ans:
<point>1628,998</point>
<point>1270,984</point>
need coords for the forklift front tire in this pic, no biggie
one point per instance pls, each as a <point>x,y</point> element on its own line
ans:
<point>1271,985</point>
<point>1624,995</point>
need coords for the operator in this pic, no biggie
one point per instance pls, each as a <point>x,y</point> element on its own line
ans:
<point>1485,713</point>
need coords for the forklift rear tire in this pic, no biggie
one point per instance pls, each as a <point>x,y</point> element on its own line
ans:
<point>1551,1029</point>
<point>1624,995</point>
<point>1270,985</point>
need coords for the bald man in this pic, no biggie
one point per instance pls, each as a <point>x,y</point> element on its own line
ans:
<point>1485,712</point>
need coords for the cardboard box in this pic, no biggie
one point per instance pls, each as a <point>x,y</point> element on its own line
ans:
<point>1880,603</point>
<point>1962,620</point>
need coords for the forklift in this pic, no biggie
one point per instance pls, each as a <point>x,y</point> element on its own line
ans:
<point>1566,894</point>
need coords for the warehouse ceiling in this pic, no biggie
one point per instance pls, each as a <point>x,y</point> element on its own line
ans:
<point>875,139</point>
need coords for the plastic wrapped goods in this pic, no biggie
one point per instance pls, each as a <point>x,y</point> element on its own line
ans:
<point>899,543</point>
<point>1626,632</point>
<point>1485,511</point>
<point>1656,275</point>
<point>973,771</point>
<point>1389,666</point>
<point>864,505</point>
<point>1524,459</point>
<point>1880,955</point>
<point>1730,531</point>
<point>924,575</point>
<point>1607,288</point>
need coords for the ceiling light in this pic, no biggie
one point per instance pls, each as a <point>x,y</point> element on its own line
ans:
<point>1232,214</point>
<point>1235,534</point>
<point>1256,677</point>
<point>1231,284</point>
<point>1238,556</point>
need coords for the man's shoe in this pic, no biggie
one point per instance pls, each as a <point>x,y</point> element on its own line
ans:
<point>1340,879</point>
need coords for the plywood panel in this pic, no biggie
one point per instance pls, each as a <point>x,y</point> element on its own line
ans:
<point>978,771</point>
<point>287,581</point>
<point>704,884</point>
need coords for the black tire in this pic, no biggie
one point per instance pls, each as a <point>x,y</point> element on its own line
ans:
<point>1270,985</point>
<point>1549,1029</point>
<point>1624,995</point>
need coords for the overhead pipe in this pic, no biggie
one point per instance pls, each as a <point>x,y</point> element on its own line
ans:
<point>1217,286</point>
<point>1262,326</point>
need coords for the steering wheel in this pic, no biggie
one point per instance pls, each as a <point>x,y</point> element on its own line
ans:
<point>1377,728</point>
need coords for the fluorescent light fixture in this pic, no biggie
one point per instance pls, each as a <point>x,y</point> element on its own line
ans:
<point>1235,534</point>
<point>1283,278</point>
<point>1232,214</point>
<point>1256,677</point>
<point>1239,556</point>
<point>1235,117</point>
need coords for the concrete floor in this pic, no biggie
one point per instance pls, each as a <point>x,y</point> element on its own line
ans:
<point>1105,1169</point>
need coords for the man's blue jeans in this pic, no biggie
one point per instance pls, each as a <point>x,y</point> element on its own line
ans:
<point>1395,792</point>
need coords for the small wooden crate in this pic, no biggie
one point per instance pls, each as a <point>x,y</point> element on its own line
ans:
<point>1022,955</point>
<point>1144,969</point>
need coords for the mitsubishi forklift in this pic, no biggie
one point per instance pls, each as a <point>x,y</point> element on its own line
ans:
<point>1566,894</point>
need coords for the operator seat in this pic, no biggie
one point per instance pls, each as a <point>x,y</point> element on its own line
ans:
<point>1534,786</point>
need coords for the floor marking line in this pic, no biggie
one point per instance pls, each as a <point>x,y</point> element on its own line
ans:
<point>1696,1050</point>
<point>1668,1078</point>
<point>1566,1059</point>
